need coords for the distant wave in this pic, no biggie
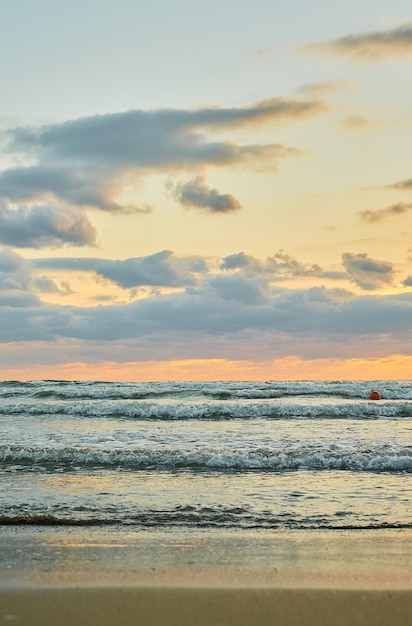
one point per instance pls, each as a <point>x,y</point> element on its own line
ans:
<point>67,390</point>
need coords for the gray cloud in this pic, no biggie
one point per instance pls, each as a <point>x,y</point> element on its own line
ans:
<point>10,300</point>
<point>195,193</point>
<point>240,260</point>
<point>249,292</point>
<point>408,281</point>
<point>86,186</point>
<point>15,281</point>
<point>229,315</point>
<point>379,215</point>
<point>53,179</point>
<point>368,273</point>
<point>280,266</point>
<point>367,47</point>
<point>82,161</point>
<point>244,344</point>
<point>11,262</point>
<point>247,279</point>
<point>48,285</point>
<point>40,226</point>
<point>162,269</point>
<point>294,320</point>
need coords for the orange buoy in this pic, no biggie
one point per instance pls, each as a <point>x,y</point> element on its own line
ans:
<point>374,395</point>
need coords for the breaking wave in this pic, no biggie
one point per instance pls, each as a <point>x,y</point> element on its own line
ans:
<point>268,409</point>
<point>202,517</point>
<point>370,458</point>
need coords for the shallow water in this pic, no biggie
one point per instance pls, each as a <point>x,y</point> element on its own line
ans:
<point>299,455</point>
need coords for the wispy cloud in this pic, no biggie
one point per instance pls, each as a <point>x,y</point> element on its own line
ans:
<point>196,194</point>
<point>404,185</point>
<point>379,215</point>
<point>320,90</point>
<point>356,122</point>
<point>369,47</point>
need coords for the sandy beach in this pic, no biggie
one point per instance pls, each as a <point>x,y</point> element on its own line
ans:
<point>170,606</point>
<point>65,576</point>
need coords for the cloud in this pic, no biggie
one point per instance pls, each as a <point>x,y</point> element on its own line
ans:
<point>249,292</point>
<point>379,215</point>
<point>83,162</point>
<point>15,281</point>
<point>228,315</point>
<point>356,122</point>
<point>319,90</point>
<point>280,266</point>
<point>52,178</point>
<point>48,285</point>
<point>369,47</point>
<point>368,273</point>
<point>11,262</point>
<point>39,226</point>
<point>214,322</point>
<point>244,277</point>
<point>403,185</point>
<point>162,269</point>
<point>197,194</point>
<point>243,261</point>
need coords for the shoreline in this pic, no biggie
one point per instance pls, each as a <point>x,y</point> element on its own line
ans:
<point>335,559</point>
<point>205,577</point>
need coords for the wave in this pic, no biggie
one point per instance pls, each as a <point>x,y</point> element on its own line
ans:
<point>228,410</point>
<point>382,457</point>
<point>203,517</point>
<point>92,390</point>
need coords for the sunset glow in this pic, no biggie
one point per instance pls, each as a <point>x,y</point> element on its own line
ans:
<point>290,368</point>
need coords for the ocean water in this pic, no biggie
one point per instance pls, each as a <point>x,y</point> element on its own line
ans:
<point>247,455</point>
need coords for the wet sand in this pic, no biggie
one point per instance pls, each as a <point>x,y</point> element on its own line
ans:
<point>76,577</point>
<point>157,606</point>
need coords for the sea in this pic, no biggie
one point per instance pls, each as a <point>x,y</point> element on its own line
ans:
<point>223,455</point>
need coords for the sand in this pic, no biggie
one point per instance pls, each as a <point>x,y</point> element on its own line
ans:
<point>203,606</point>
<point>79,577</point>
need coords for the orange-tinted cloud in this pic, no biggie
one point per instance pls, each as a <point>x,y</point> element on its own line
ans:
<point>367,47</point>
<point>378,215</point>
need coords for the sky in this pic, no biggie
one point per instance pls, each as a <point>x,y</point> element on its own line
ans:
<point>206,191</point>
